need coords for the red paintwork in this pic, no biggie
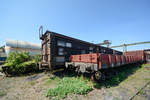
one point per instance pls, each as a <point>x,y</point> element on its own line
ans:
<point>76,58</point>
<point>122,59</point>
<point>110,60</point>
<point>104,60</point>
<point>87,58</point>
<point>107,60</point>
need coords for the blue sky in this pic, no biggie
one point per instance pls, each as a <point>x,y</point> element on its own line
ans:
<point>121,21</point>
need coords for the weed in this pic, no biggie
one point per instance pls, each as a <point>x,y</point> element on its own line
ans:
<point>32,83</point>
<point>1,70</point>
<point>82,85</point>
<point>123,73</point>
<point>3,93</point>
<point>110,94</point>
<point>76,85</point>
<point>116,98</point>
<point>141,92</point>
<point>48,81</point>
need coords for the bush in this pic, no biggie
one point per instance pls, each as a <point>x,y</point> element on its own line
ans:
<point>19,63</point>
<point>36,58</point>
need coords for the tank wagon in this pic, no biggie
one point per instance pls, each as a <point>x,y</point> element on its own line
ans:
<point>98,63</point>
<point>21,46</point>
<point>57,49</point>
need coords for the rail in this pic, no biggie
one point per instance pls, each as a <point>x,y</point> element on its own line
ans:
<point>132,97</point>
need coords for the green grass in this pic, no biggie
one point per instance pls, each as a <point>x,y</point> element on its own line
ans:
<point>74,85</point>
<point>1,69</point>
<point>3,93</point>
<point>48,81</point>
<point>123,73</point>
<point>32,83</point>
<point>145,65</point>
<point>116,98</point>
<point>147,79</point>
<point>53,80</point>
<point>141,92</point>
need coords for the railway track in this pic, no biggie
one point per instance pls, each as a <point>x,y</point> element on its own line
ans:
<point>132,97</point>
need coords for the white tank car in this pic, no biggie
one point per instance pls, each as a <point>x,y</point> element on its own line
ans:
<point>20,46</point>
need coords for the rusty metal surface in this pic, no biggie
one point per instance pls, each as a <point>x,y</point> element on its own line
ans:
<point>105,61</point>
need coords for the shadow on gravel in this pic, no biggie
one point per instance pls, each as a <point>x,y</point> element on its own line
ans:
<point>24,74</point>
<point>65,73</point>
<point>122,73</point>
<point>34,77</point>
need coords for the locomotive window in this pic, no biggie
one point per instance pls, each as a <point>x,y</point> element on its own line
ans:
<point>90,48</point>
<point>60,59</point>
<point>61,51</point>
<point>61,43</point>
<point>68,44</point>
<point>82,51</point>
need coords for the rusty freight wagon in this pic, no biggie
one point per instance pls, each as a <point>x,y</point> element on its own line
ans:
<point>57,49</point>
<point>102,65</point>
<point>148,56</point>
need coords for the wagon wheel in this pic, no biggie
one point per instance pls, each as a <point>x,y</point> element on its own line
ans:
<point>98,75</point>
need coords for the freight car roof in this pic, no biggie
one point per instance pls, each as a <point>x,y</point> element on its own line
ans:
<point>67,37</point>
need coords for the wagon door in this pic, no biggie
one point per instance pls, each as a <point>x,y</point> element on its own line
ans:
<point>104,61</point>
<point>148,58</point>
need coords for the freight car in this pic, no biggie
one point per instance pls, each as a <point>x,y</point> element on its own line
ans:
<point>96,63</point>
<point>57,49</point>
<point>148,56</point>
